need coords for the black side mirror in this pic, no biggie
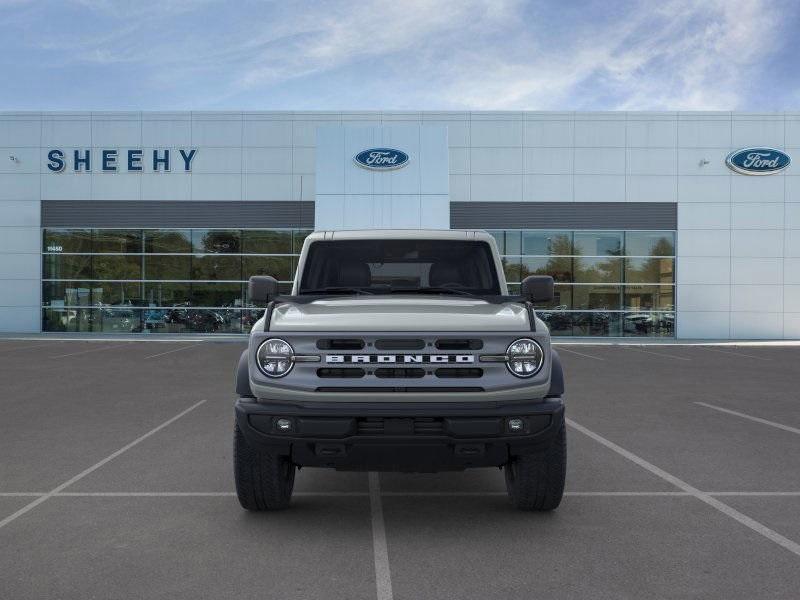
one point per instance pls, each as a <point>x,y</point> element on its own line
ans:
<point>538,288</point>
<point>262,288</point>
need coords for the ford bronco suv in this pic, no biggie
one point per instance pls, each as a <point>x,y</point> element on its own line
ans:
<point>400,351</point>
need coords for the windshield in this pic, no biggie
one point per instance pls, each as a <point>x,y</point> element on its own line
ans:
<point>400,266</point>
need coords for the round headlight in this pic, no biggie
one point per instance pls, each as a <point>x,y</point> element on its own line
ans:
<point>524,357</point>
<point>275,357</point>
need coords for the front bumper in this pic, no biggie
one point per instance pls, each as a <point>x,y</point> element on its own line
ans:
<point>414,437</point>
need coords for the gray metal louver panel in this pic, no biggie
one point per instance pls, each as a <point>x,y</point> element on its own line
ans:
<point>184,213</point>
<point>563,215</point>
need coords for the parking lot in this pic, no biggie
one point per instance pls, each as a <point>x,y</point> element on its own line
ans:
<point>116,482</point>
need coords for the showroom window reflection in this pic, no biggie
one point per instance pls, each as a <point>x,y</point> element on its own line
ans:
<point>608,283</point>
<point>160,280</point>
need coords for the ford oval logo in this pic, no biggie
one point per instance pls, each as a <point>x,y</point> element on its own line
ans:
<point>758,161</point>
<point>381,159</point>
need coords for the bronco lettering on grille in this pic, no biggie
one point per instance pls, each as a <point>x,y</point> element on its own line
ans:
<point>400,358</point>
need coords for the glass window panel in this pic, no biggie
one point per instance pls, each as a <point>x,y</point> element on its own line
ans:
<point>117,320</point>
<point>279,267</point>
<point>117,240</point>
<point>249,317</point>
<point>594,324</point>
<point>649,324</point>
<point>499,238</point>
<point>650,243</point>
<point>597,297</point>
<point>598,270</point>
<point>266,242</point>
<point>167,267</point>
<point>547,243</point>
<point>202,320</point>
<point>168,241</point>
<point>67,240</point>
<point>598,243</point>
<point>562,297</point>
<point>299,236</point>
<point>513,269</point>
<point>217,267</point>
<point>558,322</point>
<point>67,319</point>
<point>649,270</point>
<point>67,266</point>
<point>225,241</point>
<point>117,266</point>
<point>167,294</point>
<point>513,242</point>
<point>217,294</point>
<point>90,293</point>
<point>649,297</point>
<point>558,267</point>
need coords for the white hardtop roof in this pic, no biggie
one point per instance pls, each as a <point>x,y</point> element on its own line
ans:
<point>403,234</point>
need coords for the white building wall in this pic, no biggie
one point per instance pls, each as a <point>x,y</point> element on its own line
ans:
<point>414,196</point>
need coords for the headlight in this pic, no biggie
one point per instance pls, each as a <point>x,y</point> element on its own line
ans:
<point>275,357</point>
<point>524,357</point>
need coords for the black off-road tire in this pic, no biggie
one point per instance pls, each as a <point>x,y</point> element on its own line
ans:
<point>264,480</point>
<point>536,481</point>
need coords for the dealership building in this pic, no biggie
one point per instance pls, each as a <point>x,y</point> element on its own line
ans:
<point>654,225</point>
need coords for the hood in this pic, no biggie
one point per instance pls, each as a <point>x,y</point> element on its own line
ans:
<point>400,313</point>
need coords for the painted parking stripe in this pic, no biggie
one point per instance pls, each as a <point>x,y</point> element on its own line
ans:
<point>193,345</point>
<point>91,350</point>
<point>562,349</point>
<point>383,576</point>
<point>664,354</point>
<point>742,354</point>
<point>31,505</point>
<point>756,494</point>
<point>735,413</point>
<point>725,509</point>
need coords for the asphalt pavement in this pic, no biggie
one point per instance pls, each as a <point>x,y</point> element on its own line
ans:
<point>116,483</point>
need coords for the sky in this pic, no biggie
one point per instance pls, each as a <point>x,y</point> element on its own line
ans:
<point>400,55</point>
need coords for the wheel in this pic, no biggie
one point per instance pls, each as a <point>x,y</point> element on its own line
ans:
<point>536,481</point>
<point>264,480</point>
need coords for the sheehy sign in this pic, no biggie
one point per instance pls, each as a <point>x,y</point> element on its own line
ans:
<point>110,161</point>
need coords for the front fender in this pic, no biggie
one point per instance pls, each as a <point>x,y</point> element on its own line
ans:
<point>242,377</point>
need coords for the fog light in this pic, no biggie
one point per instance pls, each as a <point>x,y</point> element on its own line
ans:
<point>283,424</point>
<point>516,425</point>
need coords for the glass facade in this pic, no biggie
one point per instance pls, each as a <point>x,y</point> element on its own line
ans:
<point>608,283</point>
<point>160,280</point>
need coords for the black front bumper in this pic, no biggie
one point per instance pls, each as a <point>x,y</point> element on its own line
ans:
<point>400,436</point>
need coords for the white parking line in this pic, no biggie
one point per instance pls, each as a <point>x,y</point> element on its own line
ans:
<point>657,353</point>
<point>759,528</point>
<point>30,506</point>
<point>91,350</point>
<point>562,349</point>
<point>794,430</point>
<point>742,354</point>
<point>194,345</point>
<point>383,576</point>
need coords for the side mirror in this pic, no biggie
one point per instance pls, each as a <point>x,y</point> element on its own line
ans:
<point>262,288</point>
<point>538,288</point>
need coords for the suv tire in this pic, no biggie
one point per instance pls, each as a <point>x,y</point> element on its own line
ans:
<point>264,480</point>
<point>536,481</point>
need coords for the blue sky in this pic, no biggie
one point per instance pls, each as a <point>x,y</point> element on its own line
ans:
<point>400,54</point>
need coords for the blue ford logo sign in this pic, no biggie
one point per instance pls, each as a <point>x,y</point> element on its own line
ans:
<point>381,159</point>
<point>758,161</point>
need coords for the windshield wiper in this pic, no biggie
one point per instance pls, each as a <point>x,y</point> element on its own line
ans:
<point>434,290</point>
<point>336,290</point>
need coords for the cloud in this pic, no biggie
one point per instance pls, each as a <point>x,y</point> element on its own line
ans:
<point>449,54</point>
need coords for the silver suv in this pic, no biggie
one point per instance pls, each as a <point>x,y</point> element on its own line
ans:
<point>400,351</point>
